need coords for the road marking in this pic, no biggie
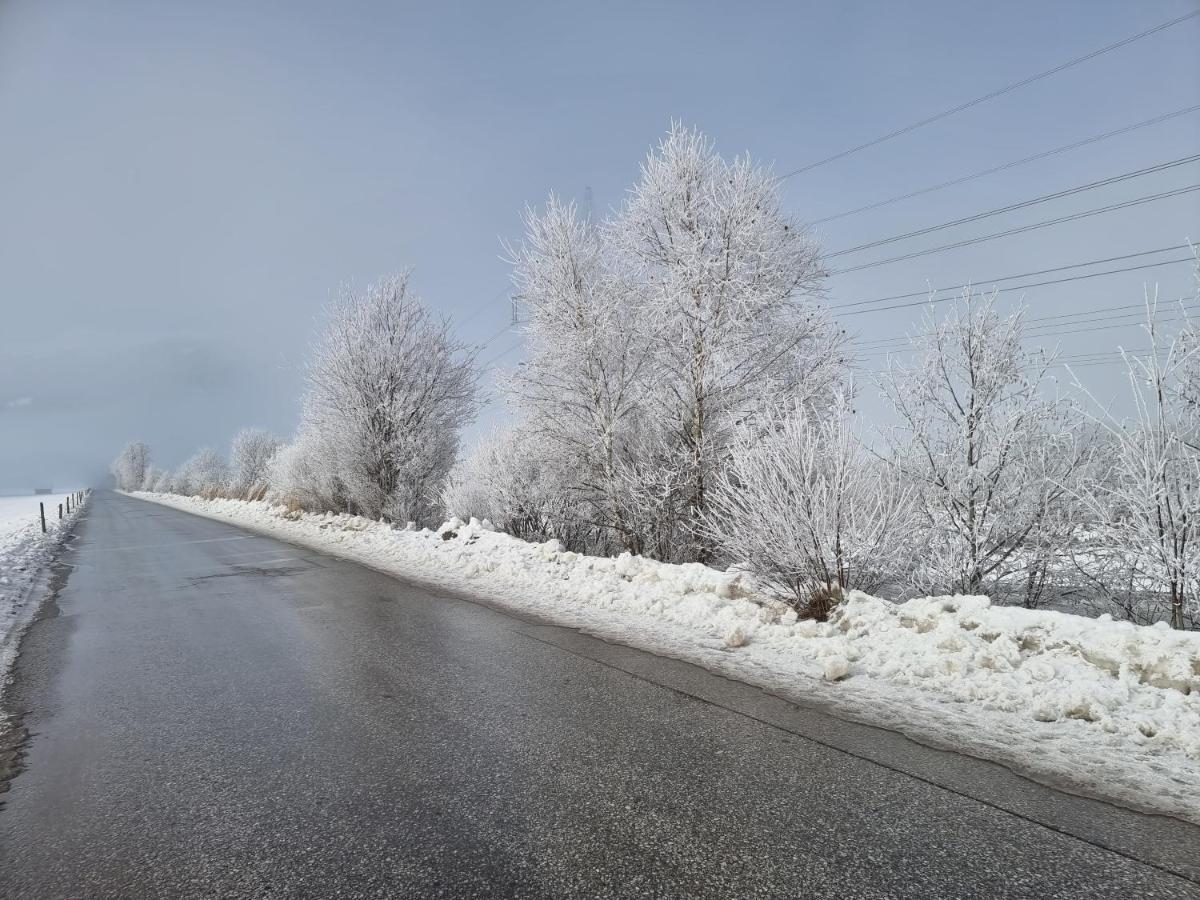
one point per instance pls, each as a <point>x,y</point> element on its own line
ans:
<point>236,555</point>
<point>248,537</point>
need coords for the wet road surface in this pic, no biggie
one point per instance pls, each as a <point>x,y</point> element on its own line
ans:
<point>212,713</point>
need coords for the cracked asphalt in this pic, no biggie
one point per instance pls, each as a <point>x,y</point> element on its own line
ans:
<point>205,712</point>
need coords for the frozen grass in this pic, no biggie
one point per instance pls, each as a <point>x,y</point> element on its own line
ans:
<point>1105,708</point>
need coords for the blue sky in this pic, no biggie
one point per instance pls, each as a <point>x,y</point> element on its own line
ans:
<point>183,185</point>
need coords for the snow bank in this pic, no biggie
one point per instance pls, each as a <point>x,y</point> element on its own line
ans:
<point>24,551</point>
<point>1102,707</point>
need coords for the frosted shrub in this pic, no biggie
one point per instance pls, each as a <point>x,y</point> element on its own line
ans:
<point>302,474</point>
<point>152,477</point>
<point>163,483</point>
<point>805,507</point>
<point>514,479</point>
<point>204,474</point>
<point>250,462</point>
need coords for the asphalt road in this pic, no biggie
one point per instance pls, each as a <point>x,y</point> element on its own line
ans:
<point>211,713</point>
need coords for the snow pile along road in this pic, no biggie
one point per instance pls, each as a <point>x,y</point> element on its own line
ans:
<point>24,552</point>
<point>1102,707</point>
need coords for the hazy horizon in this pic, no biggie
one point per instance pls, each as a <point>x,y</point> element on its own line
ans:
<point>183,187</point>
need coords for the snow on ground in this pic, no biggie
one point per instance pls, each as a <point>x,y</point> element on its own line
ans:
<point>24,551</point>
<point>1105,708</point>
<point>18,511</point>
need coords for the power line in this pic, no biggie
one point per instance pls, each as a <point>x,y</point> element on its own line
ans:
<point>1139,309</point>
<point>1022,287</point>
<point>503,330</point>
<point>937,117</point>
<point>1048,328</point>
<point>1127,310</point>
<point>1063,329</point>
<point>1049,334</point>
<point>488,364</point>
<point>1009,165</point>
<point>1091,364</point>
<point>1085,317</point>
<point>1137,201</point>
<point>1179,310</point>
<point>1087,364</point>
<point>1097,358</point>
<point>479,308</point>
<point>1105,357</point>
<point>1091,262</point>
<point>1103,182</point>
<point>1095,314</point>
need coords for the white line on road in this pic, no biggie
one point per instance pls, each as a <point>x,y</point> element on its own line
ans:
<point>248,537</point>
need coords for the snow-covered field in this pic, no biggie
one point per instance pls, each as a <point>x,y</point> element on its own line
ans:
<point>24,550</point>
<point>18,511</point>
<point>1105,708</point>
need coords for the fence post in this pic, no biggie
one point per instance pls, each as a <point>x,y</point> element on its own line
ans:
<point>60,511</point>
<point>42,513</point>
<point>68,504</point>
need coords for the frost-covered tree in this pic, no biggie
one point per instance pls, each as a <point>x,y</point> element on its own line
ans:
<point>656,333</point>
<point>1143,555</point>
<point>725,281</point>
<point>809,510</point>
<point>583,389</point>
<point>204,474</point>
<point>129,468</point>
<point>389,389</point>
<point>989,449</point>
<point>250,460</point>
